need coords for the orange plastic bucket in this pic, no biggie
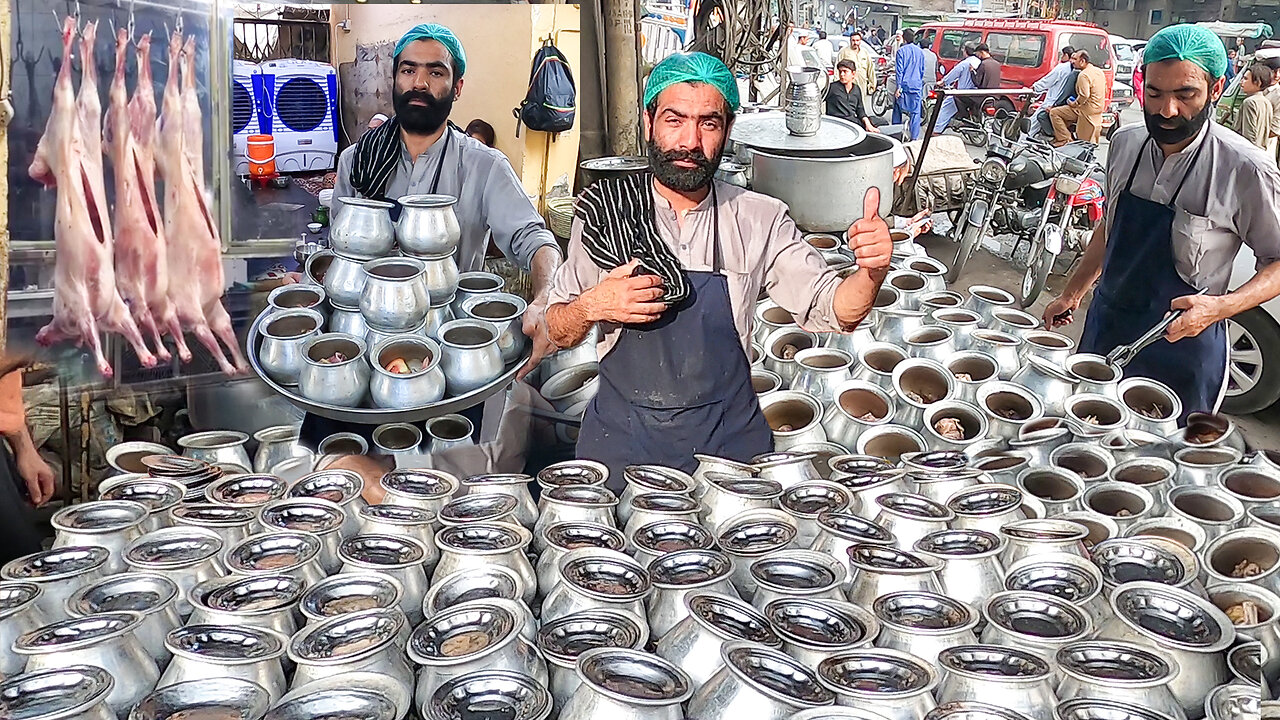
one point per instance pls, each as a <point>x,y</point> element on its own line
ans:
<point>261,151</point>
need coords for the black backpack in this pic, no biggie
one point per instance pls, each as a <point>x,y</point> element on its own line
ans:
<point>551,102</point>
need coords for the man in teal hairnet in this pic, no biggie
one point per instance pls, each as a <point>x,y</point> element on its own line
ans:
<point>669,263</point>
<point>417,152</point>
<point>1183,194</point>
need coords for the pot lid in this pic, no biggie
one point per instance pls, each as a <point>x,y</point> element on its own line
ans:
<point>768,131</point>
<point>14,597</point>
<point>616,163</point>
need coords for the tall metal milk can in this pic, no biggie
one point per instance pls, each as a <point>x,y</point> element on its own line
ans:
<point>805,96</point>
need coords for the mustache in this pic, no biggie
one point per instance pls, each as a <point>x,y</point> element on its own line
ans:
<point>422,95</point>
<point>689,155</point>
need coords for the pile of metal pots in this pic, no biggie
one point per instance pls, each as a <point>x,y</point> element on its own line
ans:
<point>386,292</point>
<point>940,587</point>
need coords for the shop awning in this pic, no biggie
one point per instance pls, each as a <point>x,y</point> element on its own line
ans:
<point>1248,31</point>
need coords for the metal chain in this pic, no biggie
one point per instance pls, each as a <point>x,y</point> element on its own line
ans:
<point>748,35</point>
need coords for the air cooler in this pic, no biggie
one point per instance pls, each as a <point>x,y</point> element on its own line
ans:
<point>302,113</point>
<point>246,82</point>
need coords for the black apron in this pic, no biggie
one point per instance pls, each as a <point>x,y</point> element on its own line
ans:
<point>314,428</point>
<point>1139,279</point>
<point>678,386</point>
<point>19,531</point>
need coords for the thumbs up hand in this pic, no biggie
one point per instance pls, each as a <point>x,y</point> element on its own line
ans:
<point>869,237</point>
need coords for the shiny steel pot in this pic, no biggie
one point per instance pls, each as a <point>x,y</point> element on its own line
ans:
<point>987,507</point>
<point>437,315</point>
<point>487,692</point>
<point>343,487</point>
<point>400,520</point>
<point>283,552</point>
<point>648,480</point>
<point>471,356</point>
<point>1049,346</point>
<point>320,518</point>
<point>877,571</point>
<point>713,619</point>
<point>647,509</point>
<point>559,539</point>
<point>1252,485</point>
<point>1120,672</point>
<point>751,535</point>
<point>562,641</point>
<point>298,296</point>
<point>971,421</point>
<point>20,613</point>
<point>1171,527</point>
<point>412,389</point>
<point>1005,348</point>
<point>1027,538</point>
<point>275,445</point>
<point>970,560</point>
<point>479,635</point>
<point>1204,430</point>
<point>1186,628</point>
<point>924,623</point>
<point>1124,503</point>
<point>253,491</point>
<point>787,468</point>
<point>797,574</point>
<point>770,317</point>
<point>347,321</point>
<point>728,495</point>
<point>317,266</point>
<point>160,496</point>
<point>570,473</point>
<point>109,524</point>
<point>487,508</point>
<point>1225,555</point>
<point>1202,466</point>
<point>421,488</point>
<point>1213,510</point>
<point>1090,415</point>
<point>1129,444</point>
<point>814,629</point>
<point>311,703</point>
<point>757,683</point>
<point>106,640</point>
<point>572,386</point>
<point>596,578</point>
<point>209,652</point>
<point>344,282</point>
<point>1233,700</point>
<point>1048,381</point>
<point>350,593</point>
<point>1153,475</point>
<point>985,300</point>
<point>427,224</point>
<point>619,682</point>
<point>972,370</point>
<point>856,406</point>
<point>1095,375</point>
<point>473,284</point>
<point>400,558</point>
<point>932,342</point>
<point>365,641</point>
<point>284,335</point>
<point>1004,677</point>
<point>187,556</point>
<point>1013,321</point>
<point>1059,489</point>
<point>395,294</point>
<point>1034,622</point>
<point>940,299</point>
<point>910,286</point>
<point>441,276</point>
<point>362,228</point>
<point>1153,406</point>
<point>890,683</point>
<point>344,383</point>
<point>1067,577</point>
<point>666,536</point>
<point>867,487</point>
<point>1230,598</point>
<point>795,418</point>
<point>1007,407</point>
<point>819,371</point>
<point>806,501</point>
<point>910,517</point>
<point>917,384</point>
<point>574,503</point>
<point>960,322</point>
<point>484,545</point>
<point>397,439</point>
<point>781,347</point>
<point>1002,467</point>
<point>839,531</point>
<point>1085,460</point>
<point>876,363</point>
<point>226,697</point>
<point>74,693</point>
<point>264,601</point>
<point>506,311</point>
<point>152,596</point>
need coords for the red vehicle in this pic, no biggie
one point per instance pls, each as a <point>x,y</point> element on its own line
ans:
<point>1027,49</point>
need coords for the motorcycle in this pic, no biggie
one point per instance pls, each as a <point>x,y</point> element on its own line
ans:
<point>881,99</point>
<point>1072,209</point>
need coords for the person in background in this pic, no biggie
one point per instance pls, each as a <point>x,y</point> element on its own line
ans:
<point>930,64</point>
<point>864,75</point>
<point>960,78</point>
<point>1232,67</point>
<point>377,120</point>
<point>826,51</point>
<point>1086,109</point>
<point>482,131</point>
<point>1256,114</point>
<point>882,34</point>
<point>985,77</point>
<point>1273,94</point>
<point>908,66</point>
<point>1054,85</point>
<point>1183,194</point>
<point>26,480</point>
<point>844,97</point>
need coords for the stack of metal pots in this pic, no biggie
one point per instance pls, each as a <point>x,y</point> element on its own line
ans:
<point>386,291</point>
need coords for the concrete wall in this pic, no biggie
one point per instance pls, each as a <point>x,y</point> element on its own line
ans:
<point>500,41</point>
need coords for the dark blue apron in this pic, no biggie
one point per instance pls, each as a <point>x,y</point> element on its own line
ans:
<point>1139,279</point>
<point>678,386</point>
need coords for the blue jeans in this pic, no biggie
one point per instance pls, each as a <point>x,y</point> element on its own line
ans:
<point>910,103</point>
<point>946,114</point>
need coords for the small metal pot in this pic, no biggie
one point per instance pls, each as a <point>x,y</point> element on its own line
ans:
<point>1029,538</point>
<point>1233,700</point>
<point>781,347</point>
<point>962,323</point>
<point>1129,444</point>
<point>485,545</point>
<point>350,593</point>
<point>395,295</point>
<point>814,629</point>
<point>795,418</point>
<point>1126,560</point>
<point>729,495</point>
<point>1007,407</point>
<point>277,444</point>
<point>295,554</point>
<point>839,531</point>
<point>306,703</point>
<point>797,574</point>
<point>940,299</point>
<point>1153,406</point>
<point>917,384</point>
<point>572,385</point>
<point>712,619</point>
<point>559,539</point>
<point>344,383</point>
<point>1118,671</point>
<point>1202,466</point>
<point>647,509</point>
<point>876,363</point>
<point>261,601</point>
<point>1091,415</point>
<point>471,358</point>
<point>562,641</point>
<point>1066,577</point>
<point>365,641</point>
<point>987,507</point>
<point>1251,485</point>
<point>787,468</point>
<point>931,342</point>
<point>856,406</point>
<point>298,296</point>
<point>478,694</point>
<point>1005,348</point>
<point>322,519</point>
<point>619,682</point>
<point>570,473</point>
<point>284,335</point>
<point>1013,321</point>
<point>878,571</point>
<point>911,517</point>
<point>1048,381</point>
<point>1124,503</point>
<point>362,228</point>
<point>648,480</point>
<point>910,285</point>
<point>152,596</point>
<point>317,266</point>
<point>574,503</point>
<point>1231,597</point>
<point>75,693</point>
<point>506,311</point>
<point>421,488</point>
<point>1152,475</point>
<point>489,508</point>
<point>1213,510</point>
<point>1204,430</point>
<point>666,536</point>
<point>343,487</point>
<point>985,300</point>
<point>678,575</point>
<point>757,682</point>
<point>596,578</point>
<point>105,640</point>
<point>344,282</point>
<point>227,697</point>
<point>20,613</point>
<point>806,501</point>
<point>970,561</point>
<point>441,276</point>
<point>390,389</point>
<point>1060,490</point>
<point>892,684</point>
<point>427,224</point>
<point>971,421</point>
<point>1004,677</point>
<point>400,520</point>
<point>751,535</point>
<point>770,317</point>
<point>347,321</point>
<point>972,371</point>
<point>209,652</point>
<point>397,439</point>
<point>1049,346</point>
<point>187,556</point>
<point>819,371</point>
<point>924,623</point>
<point>400,558</point>
<point>109,524</point>
<point>1173,528</point>
<point>341,443</point>
<point>473,284</point>
<point>251,491</point>
<point>1225,556</point>
<point>1086,461</point>
<point>1036,623</point>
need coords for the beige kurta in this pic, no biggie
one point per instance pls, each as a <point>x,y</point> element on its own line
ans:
<point>865,77</point>
<point>1254,122</point>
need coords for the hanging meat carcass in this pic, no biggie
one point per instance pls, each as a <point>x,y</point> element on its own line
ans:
<point>194,248</point>
<point>142,273</point>
<point>69,158</point>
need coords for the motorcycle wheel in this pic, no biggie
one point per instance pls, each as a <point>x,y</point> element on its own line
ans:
<point>1034,279</point>
<point>974,137</point>
<point>969,239</point>
<point>880,102</point>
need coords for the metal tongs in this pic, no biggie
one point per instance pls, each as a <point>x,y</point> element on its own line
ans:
<point>1124,354</point>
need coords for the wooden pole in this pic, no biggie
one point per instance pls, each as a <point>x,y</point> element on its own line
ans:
<point>7,47</point>
<point>621,75</point>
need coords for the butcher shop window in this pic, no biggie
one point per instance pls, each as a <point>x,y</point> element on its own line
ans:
<point>1017,49</point>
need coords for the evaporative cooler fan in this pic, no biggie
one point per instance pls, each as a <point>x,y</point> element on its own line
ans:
<point>301,114</point>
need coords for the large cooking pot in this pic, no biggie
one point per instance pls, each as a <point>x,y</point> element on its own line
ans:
<point>806,181</point>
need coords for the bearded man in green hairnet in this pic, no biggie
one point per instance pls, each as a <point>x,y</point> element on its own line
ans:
<point>1183,195</point>
<point>668,265</point>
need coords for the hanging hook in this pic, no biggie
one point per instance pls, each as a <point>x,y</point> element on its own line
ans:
<point>178,26</point>
<point>130,27</point>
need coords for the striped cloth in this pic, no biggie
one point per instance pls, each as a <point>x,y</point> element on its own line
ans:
<point>618,224</point>
<point>375,158</point>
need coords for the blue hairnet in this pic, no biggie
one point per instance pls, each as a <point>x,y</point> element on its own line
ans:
<point>1191,43</point>
<point>693,67</point>
<point>441,34</point>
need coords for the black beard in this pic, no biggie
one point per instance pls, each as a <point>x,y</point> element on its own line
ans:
<point>662,162</point>
<point>421,119</point>
<point>1184,128</point>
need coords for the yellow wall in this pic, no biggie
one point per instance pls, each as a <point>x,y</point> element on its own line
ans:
<point>500,41</point>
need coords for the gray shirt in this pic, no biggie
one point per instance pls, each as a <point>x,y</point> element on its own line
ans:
<point>1232,195</point>
<point>490,197</point>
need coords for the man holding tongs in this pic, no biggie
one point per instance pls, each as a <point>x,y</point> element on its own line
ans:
<point>1187,192</point>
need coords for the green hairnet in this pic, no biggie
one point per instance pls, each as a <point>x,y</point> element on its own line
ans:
<point>441,34</point>
<point>693,67</point>
<point>1191,43</point>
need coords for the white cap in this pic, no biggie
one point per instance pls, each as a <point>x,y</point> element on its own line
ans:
<point>379,116</point>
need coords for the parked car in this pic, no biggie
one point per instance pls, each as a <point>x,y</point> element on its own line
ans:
<point>1028,49</point>
<point>1126,52</point>
<point>1253,362</point>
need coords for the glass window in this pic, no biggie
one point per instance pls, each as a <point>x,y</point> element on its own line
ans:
<point>928,36</point>
<point>1124,53</point>
<point>953,42</point>
<point>1018,49</point>
<point>1096,45</point>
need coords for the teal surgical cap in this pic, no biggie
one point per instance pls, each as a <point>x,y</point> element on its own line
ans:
<point>1191,43</point>
<point>441,34</point>
<point>693,67</point>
